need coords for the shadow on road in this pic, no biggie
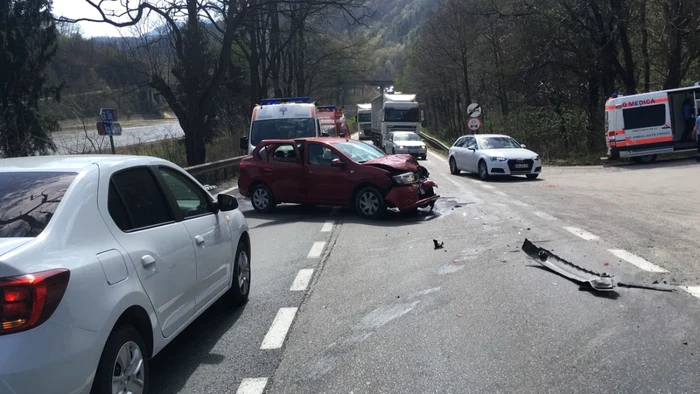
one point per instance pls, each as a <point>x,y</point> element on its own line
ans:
<point>667,163</point>
<point>293,213</point>
<point>172,367</point>
<point>500,179</point>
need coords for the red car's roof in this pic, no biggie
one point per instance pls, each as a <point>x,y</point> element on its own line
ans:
<point>312,139</point>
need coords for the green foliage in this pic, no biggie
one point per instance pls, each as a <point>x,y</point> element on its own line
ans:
<point>27,44</point>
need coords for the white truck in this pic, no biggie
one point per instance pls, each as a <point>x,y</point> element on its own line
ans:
<point>394,112</point>
<point>363,118</point>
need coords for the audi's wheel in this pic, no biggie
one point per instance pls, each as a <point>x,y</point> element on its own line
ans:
<point>483,171</point>
<point>262,198</point>
<point>453,167</point>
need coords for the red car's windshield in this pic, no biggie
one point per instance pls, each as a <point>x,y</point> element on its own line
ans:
<point>358,151</point>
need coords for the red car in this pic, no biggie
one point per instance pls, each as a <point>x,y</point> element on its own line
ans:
<point>334,171</point>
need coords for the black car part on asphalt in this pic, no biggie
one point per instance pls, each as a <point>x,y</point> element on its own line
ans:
<point>585,278</point>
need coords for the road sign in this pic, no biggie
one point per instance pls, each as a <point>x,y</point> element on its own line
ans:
<point>474,124</point>
<point>109,128</point>
<point>108,114</point>
<point>474,110</point>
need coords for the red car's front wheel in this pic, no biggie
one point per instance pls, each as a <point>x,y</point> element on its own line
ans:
<point>369,203</point>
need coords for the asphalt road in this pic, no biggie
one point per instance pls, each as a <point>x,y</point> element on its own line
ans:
<point>385,312</point>
<point>84,141</point>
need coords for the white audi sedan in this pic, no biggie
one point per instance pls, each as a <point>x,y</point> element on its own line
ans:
<point>103,261</point>
<point>493,154</point>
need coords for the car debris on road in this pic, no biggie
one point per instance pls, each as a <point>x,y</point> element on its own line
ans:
<point>584,277</point>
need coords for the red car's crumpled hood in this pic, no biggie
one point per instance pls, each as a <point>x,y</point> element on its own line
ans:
<point>399,162</point>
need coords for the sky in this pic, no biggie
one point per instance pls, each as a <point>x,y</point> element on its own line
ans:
<point>81,9</point>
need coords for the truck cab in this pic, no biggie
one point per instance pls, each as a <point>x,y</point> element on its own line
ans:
<point>394,112</point>
<point>363,119</point>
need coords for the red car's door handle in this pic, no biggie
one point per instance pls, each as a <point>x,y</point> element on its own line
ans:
<point>267,170</point>
<point>310,172</point>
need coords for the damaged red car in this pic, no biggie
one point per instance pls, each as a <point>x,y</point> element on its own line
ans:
<point>334,171</point>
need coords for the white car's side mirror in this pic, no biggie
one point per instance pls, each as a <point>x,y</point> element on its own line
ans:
<point>523,146</point>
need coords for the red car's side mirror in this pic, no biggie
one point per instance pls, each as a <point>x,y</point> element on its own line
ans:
<point>337,163</point>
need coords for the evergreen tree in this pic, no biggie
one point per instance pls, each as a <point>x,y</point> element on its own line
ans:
<point>28,38</point>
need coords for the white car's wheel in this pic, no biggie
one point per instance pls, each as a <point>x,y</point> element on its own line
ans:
<point>240,284</point>
<point>453,167</point>
<point>483,171</point>
<point>123,366</point>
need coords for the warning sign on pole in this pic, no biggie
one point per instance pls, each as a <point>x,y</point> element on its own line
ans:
<point>474,124</point>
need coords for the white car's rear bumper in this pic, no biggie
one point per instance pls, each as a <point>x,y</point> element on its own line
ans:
<point>51,358</point>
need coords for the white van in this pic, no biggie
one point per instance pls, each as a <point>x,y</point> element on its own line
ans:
<point>282,118</point>
<point>642,126</point>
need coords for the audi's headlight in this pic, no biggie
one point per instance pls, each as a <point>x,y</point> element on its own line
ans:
<point>422,146</point>
<point>536,158</point>
<point>498,159</point>
<point>407,178</point>
<point>402,147</point>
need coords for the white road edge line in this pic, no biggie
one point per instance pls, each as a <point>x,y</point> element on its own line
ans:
<point>692,290</point>
<point>544,216</point>
<point>636,260</point>
<point>316,250</point>
<point>274,339</point>
<point>435,155</point>
<point>252,386</point>
<point>327,227</point>
<point>228,190</point>
<point>301,282</point>
<point>582,233</point>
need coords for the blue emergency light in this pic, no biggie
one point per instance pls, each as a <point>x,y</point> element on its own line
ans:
<point>614,95</point>
<point>272,101</point>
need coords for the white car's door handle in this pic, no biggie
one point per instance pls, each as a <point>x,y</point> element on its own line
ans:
<point>199,240</point>
<point>147,261</point>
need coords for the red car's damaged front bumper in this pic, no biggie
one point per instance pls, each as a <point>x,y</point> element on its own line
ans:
<point>409,197</point>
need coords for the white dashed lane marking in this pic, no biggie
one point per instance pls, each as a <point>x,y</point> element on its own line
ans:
<point>316,250</point>
<point>500,193</point>
<point>252,386</point>
<point>636,260</point>
<point>692,290</point>
<point>274,339</point>
<point>582,233</point>
<point>228,190</point>
<point>487,186</point>
<point>544,216</point>
<point>327,227</point>
<point>301,282</point>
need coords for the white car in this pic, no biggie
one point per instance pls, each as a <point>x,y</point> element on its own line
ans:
<point>406,142</point>
<point>493,154</point>
<point>103,261</point>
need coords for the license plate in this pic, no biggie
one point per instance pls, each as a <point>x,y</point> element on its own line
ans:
<point>521,166</point>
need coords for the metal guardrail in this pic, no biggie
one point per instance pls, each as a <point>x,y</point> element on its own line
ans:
<point>434,141</point>
<point>216,170</point>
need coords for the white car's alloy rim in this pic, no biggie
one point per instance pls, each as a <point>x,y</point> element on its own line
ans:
<point>369,203</point>
<point>243,272</point>
<point>260,198</point>
<point>482,170</point>
<point>128,374</point>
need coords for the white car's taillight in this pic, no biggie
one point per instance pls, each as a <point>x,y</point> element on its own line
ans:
<point>28,300</point>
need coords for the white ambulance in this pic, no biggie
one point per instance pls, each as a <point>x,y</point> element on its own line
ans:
<point>282,118</point>
<point>642,126</point>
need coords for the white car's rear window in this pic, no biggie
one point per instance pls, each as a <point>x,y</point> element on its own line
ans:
<point>28,201</point>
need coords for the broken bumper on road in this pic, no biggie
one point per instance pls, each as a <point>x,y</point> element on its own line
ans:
<point>409,197</point>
